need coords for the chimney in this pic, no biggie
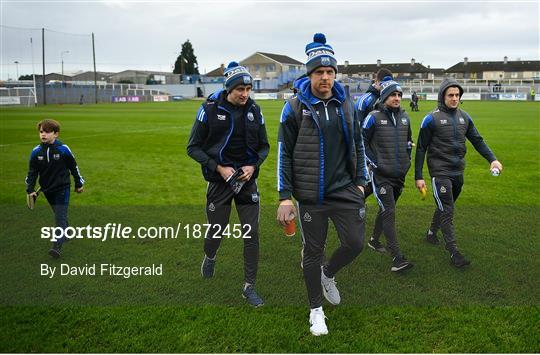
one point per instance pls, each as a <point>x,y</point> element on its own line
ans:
<point>378,62</point>
<point>412,62</point>
<point>465,61</point>
<point>346,63</point>
<point>505,60</point>
<point>222,66</point>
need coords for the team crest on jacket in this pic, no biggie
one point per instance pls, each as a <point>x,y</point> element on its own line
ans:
<point>40,157</point>
<point>461,120</point>
<point>362,212</point>
<point>221,117</point>
<point>444,121</point>
<point>384,121</point>
<point>404,121</point>
<point>307,217</point>
<point>250,116</point>
<point>382,191</point>
<point>443,189</point>
<point>56,156</point>
<point>255,197</point>
<point>211,207</point>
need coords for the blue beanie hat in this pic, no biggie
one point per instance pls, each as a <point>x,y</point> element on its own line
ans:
<point>235,75</point>
<point>388,87</point>
<point>320,54</point>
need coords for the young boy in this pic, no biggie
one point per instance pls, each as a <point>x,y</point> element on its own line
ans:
<point>53,161</point>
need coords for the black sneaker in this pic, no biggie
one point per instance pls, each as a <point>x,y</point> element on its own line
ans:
<point>55,250</point>
<point>400,263</point>
<point>376,245</point>
<point>432,239</point>
<point>207,267</point>
<point>252,297</point>
<point>458,260</point>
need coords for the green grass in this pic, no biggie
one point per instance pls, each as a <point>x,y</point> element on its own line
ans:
<point>133,158</point>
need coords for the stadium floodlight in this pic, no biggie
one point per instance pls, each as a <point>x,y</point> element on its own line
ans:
<point>62,58</point>
<point>17,69</point>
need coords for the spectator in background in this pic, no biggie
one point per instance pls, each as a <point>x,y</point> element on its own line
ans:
<point>414,101</point>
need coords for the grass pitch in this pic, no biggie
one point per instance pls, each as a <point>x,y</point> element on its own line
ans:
<point>138,174</point>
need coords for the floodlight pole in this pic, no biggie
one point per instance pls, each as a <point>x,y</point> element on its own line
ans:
<point>33,71</point>
<point>43,61</point>
<point>95,72</point>
<point>17,69</point>
<point>62,58</point>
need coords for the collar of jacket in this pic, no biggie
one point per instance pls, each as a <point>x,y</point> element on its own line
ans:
<point>303,87</point>
<point>372,89</point>
<point>389,110</point>
<point>53,144</point>
<point>220,98</point>
<point>444,108</point>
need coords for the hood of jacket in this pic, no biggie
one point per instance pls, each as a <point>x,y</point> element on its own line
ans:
<point>372,89</point>
<point>446,83</point>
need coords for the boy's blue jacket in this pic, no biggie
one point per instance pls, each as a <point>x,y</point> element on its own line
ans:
<point>52,163</point>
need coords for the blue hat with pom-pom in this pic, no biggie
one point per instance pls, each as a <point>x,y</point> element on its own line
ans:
<point>388,86</point>
<point>235,75</point>
<point>320,54</point>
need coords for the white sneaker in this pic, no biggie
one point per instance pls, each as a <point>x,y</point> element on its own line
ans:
<point>329,288</point>
<point>317,322</point>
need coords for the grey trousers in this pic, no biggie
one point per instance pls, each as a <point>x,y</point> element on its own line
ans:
<point>219,197</point>
<point>446,191</point>
<point>346,210</point>
<point>386,192</point>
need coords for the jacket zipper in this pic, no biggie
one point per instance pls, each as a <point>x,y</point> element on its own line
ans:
<point>397,143</point>
<point>231,118</point>
<point>326,110</point>
<point>48,161</point>
<point>314,116</point>
<point>456,144</point>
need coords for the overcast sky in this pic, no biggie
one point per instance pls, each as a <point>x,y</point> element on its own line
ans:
<point>148,35</point>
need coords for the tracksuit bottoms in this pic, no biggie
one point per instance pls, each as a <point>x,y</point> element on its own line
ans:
<point>446,190</point>
<point>219,197</point>
<point>59,202</point>
<point>346,209</point>
<point>386,192</point>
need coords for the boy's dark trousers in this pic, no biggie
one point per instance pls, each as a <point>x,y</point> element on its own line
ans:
<point>446,190</point>
<point>346,210</point>
<point>219,197</point>
<point>386,192</point>
<point>59,201</point>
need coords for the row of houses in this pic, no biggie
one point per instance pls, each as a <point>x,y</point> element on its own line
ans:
<point>269,65</point>
<point>485,70</point>
<point>278,71</point>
